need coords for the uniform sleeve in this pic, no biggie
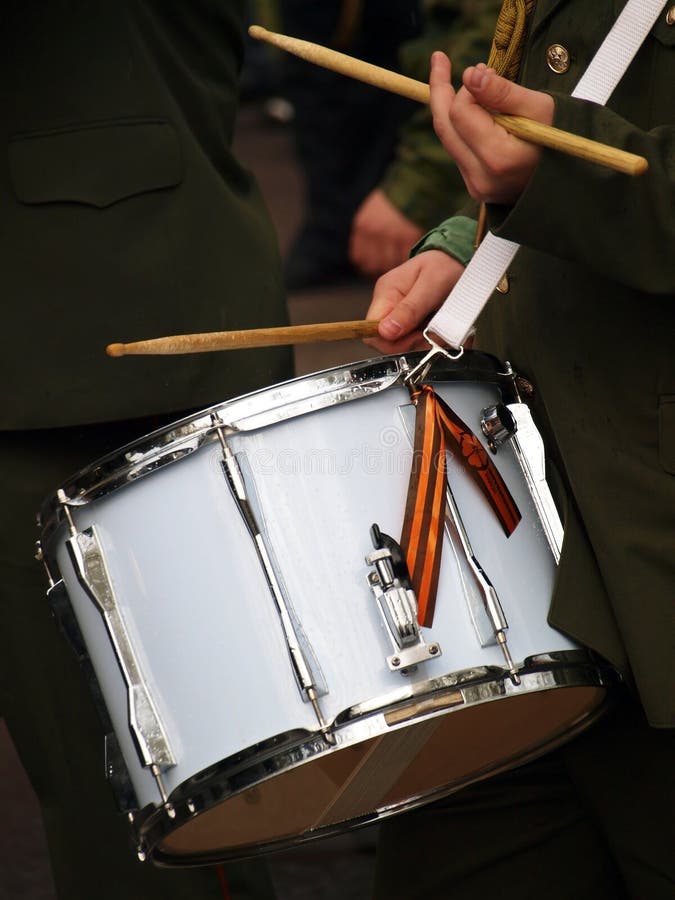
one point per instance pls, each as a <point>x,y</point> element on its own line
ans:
<point>619,226</point>
<point>455,236</point>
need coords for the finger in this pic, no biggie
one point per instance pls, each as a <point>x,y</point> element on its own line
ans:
<point>441,98</point>
<point>385,300</point>
<point>500,95</point>
<point>387,294</point>
<point>502,163</point>
<point>472,121</point>
<point>404,298</point>
<point>411,312</point>
<point>442,101</point>
<point>440,74</point>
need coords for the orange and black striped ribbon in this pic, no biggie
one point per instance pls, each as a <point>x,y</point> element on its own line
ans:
<point>437,427</point>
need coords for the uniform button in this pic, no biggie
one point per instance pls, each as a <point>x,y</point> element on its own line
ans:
<point>670,16</point>
<point>504,285</point>
<point>558,58</point>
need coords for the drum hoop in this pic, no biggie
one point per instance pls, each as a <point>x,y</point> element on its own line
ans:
<point>281,753</point>
<point>262,408</point>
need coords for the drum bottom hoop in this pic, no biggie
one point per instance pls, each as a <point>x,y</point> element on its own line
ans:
<point>393,772</point>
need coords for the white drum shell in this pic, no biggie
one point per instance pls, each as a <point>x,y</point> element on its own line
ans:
<point>198,608</point>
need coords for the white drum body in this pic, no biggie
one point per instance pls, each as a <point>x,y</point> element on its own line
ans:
<point>189,637</point>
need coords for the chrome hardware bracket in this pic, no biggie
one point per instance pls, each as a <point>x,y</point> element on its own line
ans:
<point>491,603</point>
<point>498,425</point>
<point>152,745</point>
<point>529,451</point>
<point>398,604</point>
<point>419,372</point>
<point>301,667</point>
<point>528,448</point>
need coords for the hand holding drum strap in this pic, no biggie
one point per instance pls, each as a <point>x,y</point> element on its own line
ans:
<point>437,427</point>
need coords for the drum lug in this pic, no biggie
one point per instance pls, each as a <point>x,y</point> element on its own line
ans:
<point>513,422</point>
<point>491,602</point>
<point>88,559</point>
<point>302,668</point>
<point>528,448</point>
<point>498,425</point>
<point>529,451</point>
<point>115,766</point>
<point>390,583</point>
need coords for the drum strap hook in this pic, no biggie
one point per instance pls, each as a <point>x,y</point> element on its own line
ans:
<point>419,372</point>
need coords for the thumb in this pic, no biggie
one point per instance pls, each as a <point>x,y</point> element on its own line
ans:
<point>503,96</point>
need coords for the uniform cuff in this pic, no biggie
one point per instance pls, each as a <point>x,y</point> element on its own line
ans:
<point>455,237</point>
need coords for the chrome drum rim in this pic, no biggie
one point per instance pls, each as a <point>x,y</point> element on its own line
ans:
<point>448,694</point>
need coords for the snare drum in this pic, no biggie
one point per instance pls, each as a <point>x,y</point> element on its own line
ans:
<point>257,691</point>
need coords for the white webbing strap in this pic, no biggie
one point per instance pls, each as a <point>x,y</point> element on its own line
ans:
<point>455,319</point>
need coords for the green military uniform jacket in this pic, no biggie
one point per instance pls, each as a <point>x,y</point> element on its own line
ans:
<point>589,318</point>
<point>123,211</point>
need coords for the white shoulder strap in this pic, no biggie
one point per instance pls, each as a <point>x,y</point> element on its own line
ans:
<point>455,319</point>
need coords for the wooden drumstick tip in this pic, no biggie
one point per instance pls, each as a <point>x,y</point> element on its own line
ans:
<point>641,165</point>
<point>115,350</point>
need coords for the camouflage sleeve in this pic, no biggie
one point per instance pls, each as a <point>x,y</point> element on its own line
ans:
<point>422,181</point>
<point>455,236</point>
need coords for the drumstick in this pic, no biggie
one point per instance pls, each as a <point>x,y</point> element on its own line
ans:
<point>254,337</point>
<point>518,126</point>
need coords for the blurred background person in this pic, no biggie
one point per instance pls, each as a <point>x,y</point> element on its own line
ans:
<point>420,182</point>
<point>344,131</point>
<point>376,178</point>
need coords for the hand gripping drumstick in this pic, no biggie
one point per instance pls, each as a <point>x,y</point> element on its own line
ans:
<point>518,126</point>
<point>254,337</point>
